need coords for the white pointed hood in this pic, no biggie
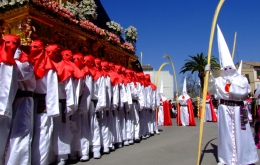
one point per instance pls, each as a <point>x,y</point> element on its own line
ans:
<point>226,63</point>
<point>184,88</point>
<point>239,70</point>
<point>162,96</point>
<point>224,54</point>
<point>184,91</point>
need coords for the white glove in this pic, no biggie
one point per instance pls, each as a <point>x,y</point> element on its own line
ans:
<point>17,53</point>
<point>207,68</point>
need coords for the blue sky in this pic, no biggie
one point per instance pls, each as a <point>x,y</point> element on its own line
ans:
<point>182,27</point>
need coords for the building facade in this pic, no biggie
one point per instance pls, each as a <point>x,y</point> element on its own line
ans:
<point>251,70</point>
<point>165,77</point>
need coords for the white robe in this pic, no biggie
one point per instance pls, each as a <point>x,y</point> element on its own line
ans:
<point>84,108</point>
<point>105,115</point>
<point>122,110</point>
<point>8,88</point>
<point>61,129</point>
<point>208,115</point>
<point>43,122</point>
<point>184,113</point>
<point>99,95</point>
<point>235,146</point>
<point>129,113</point>
<point>116,131</point>
<point>76,123</point>
<point>19,148</point>
<point>135,129</point>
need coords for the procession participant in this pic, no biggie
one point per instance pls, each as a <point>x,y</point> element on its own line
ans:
<point>138,104</point>
<point>105,113</point>
<point>116,135</point>
<point>127,107</point>
<point>19,147</point>
<point>67,106</point>
<point>83,109</point>
<point>162,99</point>
<point>8,86</point>
<point>185,114</point>
<point>157,105</point>
<point>121,107</point>
<point>46,99</point>
<point>248,107</point>
<point>98,102</point>
<point>133,107</point>
<point>210,114</point>
<point>149,104</point>
<point>248,101</point>
<point>143,112</point>
<point>257,129</point>
<point>133,114</point>
<point>80,140</point>
<point>235,141</point>
<point>111,88</point>
<point>154,127</point>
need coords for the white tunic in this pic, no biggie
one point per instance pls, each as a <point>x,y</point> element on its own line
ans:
<point>19,150</point>
<point>43,122</point>
<point>235,146</point>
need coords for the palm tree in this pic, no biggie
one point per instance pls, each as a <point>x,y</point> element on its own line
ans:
<point>198,63</point>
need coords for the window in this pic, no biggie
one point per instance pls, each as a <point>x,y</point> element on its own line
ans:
<point>258,74</point>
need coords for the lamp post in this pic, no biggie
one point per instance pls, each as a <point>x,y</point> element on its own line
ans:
<point>174,72</point>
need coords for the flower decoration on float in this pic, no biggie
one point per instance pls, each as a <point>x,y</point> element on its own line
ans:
<point>128,46</point>
<point>58,9</point>
<point>87,10</point>
<point>131,34</point>
<point>8,3</point>
<point>81,14</point>
<point>113,38</point>
<point>115,27</point>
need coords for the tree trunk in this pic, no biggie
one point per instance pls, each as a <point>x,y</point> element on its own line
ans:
<point>201,77</point>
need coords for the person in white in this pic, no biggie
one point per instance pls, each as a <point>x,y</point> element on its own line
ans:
<point>162,98</point>
<point>105,113</point>
<point>184,112</point>
<point>61,124</point>
<point>116,130</point>
<point>46,104</point>
<point>9,70</point>
<point>79,123</point>
<point>98,102</point>
<point>19,147</point>
<point>236,145</point>
<point>248,101</point>
<point>257,97</point>
<point>131,112</point>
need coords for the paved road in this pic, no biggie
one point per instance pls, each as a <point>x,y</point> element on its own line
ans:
<point>174,146</point>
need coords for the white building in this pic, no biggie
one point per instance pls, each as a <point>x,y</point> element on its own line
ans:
<point>165,77</point>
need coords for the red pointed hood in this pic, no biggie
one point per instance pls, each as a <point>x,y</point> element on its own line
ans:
<point>7,49</point>
<point>69,66</point>
<point>37,58</point>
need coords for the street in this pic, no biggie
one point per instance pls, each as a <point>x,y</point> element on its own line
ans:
<point>175,145</point>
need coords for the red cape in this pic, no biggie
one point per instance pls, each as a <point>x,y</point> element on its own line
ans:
<point>213,114</point>
<point>191,114</point>
<point>167,116</point>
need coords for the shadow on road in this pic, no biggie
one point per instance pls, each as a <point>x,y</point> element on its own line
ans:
<point>214,150</point>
